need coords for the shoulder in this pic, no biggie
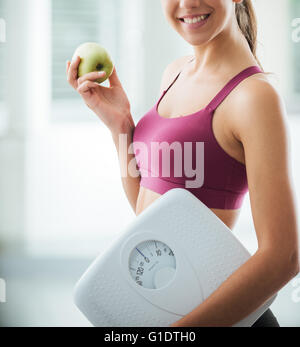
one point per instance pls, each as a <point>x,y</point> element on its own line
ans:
<point>256,106</point>
<point>172,70</point>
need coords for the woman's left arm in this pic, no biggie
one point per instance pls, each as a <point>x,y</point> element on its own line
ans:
<point>262,129</point>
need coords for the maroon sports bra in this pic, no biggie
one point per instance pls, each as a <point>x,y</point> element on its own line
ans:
<point>183,152</point>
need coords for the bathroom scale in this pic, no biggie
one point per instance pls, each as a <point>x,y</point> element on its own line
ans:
<point>163,265</point>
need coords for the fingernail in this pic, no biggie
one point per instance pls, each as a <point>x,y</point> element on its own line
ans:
<point>102,73</point>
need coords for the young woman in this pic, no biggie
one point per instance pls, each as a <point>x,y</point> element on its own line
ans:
<point>244,128</point>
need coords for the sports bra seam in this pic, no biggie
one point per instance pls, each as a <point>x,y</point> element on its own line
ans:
<point>166,90</point>
<point>228,184</point>
<point>206,188</point>
<point>234,161</point>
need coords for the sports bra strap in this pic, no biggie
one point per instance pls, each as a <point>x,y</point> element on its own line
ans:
<point>166,90</point>
<point>220,97</point>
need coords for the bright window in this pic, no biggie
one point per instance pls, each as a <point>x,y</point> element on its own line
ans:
<point>73,23</point>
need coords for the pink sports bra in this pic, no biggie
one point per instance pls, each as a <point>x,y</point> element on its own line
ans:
<point>183,152</point>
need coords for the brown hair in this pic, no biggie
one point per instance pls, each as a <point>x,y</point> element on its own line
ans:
<point>246,18</point>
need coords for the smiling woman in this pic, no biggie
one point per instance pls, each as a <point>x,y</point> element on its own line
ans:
<point>225,73</point>
<point>237,104</point>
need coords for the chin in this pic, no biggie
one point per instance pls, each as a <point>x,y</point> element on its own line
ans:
<point>202,35</point>
<point>197,41</point>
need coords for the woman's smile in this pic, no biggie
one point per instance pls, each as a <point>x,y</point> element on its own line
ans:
<point>195,22</point>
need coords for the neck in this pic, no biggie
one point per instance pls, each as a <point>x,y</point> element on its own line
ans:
<point>227,50</point>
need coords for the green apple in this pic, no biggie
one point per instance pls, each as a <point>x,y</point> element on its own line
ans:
<point>94,58</point>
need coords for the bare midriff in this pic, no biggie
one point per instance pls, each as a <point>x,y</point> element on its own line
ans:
<point>146,197</point>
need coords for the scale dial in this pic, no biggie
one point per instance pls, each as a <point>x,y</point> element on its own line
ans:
<point>152,264</point>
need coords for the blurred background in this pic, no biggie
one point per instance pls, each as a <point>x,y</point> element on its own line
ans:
<point>61,197</point>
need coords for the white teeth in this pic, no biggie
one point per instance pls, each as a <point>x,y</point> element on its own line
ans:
<point>194,20</point>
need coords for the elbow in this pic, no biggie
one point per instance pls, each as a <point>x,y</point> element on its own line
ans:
<point>295,264</point>
<point>291,266</point>
<point>285,263</point>
<point>282,255</point>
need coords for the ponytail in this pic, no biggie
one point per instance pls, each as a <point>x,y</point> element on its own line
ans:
<point>246,18</point>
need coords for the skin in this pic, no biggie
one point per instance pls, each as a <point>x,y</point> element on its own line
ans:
<point>250,125</point>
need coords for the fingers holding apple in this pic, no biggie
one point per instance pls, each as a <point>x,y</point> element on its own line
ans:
<point>92,76</point>
<point>94,58</point>
<point>67,66</point>
<point>111,105</point>
<point>73,72</point>
<point>114,79</point>
<point>86,87</point>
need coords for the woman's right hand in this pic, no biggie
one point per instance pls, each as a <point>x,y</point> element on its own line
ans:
<point>110,104</point>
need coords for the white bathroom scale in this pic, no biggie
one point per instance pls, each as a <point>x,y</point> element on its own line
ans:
<point>165,263</point>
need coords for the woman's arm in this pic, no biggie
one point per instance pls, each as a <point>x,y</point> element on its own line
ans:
<point>112,106</point>
<point>130,184</point>
<point>262,130</point>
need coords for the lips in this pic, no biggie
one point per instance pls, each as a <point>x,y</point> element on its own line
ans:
<point>195,16</point>
<point>192,26</point>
